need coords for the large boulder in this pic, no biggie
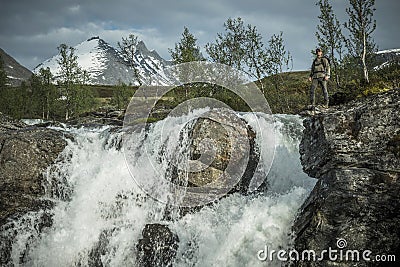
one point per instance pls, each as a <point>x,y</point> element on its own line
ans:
<point>222,158</point>
<point>354,151</point>
<point>223,144</point>
<point>25,154</point>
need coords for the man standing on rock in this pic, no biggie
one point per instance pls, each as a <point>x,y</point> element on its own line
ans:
<point>320,74</point>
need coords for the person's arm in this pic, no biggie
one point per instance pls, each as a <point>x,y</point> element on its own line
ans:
<point>312,71</point>
<point>327,69</point>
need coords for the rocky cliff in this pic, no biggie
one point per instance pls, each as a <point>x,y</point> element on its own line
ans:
<point>25,154</point>
<point>354,152</point>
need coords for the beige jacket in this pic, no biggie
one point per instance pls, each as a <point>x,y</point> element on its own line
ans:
<point>320,69</point>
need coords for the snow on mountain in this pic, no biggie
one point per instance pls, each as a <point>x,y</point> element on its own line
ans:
<point>16,73</point>
<point>388,51</point>
<point>105,65</point>
<point>386,57</point>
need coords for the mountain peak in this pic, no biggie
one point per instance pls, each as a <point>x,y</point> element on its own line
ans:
<point>107,66</point>
<point>93,38</point>
<point>141,46</point>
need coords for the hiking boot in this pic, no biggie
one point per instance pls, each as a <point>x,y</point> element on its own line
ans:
<point>311,107</point>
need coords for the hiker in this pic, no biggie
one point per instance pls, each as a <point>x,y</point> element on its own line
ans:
<point>320,74</point>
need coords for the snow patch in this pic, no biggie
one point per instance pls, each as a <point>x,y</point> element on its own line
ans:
<point>397,50</point>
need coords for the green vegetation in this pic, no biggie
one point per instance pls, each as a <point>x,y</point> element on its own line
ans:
<point>128,47</point>
<point>361,25</point>
<point>121,96</point>
<point>293,93</point>
<point>186,50</point>
<point>41,98</point>
<point>240,46</point>
<point>183,93</point>
<point>71,80</point>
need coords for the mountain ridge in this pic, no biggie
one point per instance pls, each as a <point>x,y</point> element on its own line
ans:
<point>386,57</point>
<point>16,73</point>
<point>107,66</point>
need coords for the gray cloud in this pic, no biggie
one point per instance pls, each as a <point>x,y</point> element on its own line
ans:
<point>31,30</point>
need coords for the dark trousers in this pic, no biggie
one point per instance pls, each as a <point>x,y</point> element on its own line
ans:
<point>314,86</point>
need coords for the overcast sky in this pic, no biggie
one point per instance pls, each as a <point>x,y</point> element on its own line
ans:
<point>30,31</point>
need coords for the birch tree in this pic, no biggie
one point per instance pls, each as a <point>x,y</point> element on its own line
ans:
<point>128,48</point>
<point>361,25</point>
<point>330,37</point>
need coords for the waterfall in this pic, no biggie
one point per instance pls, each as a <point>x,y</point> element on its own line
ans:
<point>100,211</point>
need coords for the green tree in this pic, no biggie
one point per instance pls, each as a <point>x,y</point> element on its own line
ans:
<point>19,101</point>
<point>26,101</point>
<point>241,47</point>
<point>230,47</point>
<point>128,48</point>
<point>72,80</point>
<point>361,25</point>
<point>186,50</point>
<point>45,93</point>
<point>278,58</point>
<point>83,99</point>
<point>121,96</point>
<point>36,89</point>
<point>330,37</point>
<point>68,75</point>
<point>14,101</point>
<point>256,57</point>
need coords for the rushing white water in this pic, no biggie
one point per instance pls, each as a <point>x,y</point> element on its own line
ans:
<point>100,211</point>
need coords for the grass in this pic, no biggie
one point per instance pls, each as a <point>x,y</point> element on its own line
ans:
<point>106,91</point>
<point>287,92</point>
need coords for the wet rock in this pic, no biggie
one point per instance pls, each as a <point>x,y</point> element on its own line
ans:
<point>102,117</point>
<point>222,149</point>
<point>100,249</point>
<point>28,228</point>
<point>354,152</point>
<point>51,124</point>
<point>25,153</point>
<point>158,246</point>
<point>222,160</point>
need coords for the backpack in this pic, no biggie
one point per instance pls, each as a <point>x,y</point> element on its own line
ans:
<point>327,59</point>
<point>323,61</point>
